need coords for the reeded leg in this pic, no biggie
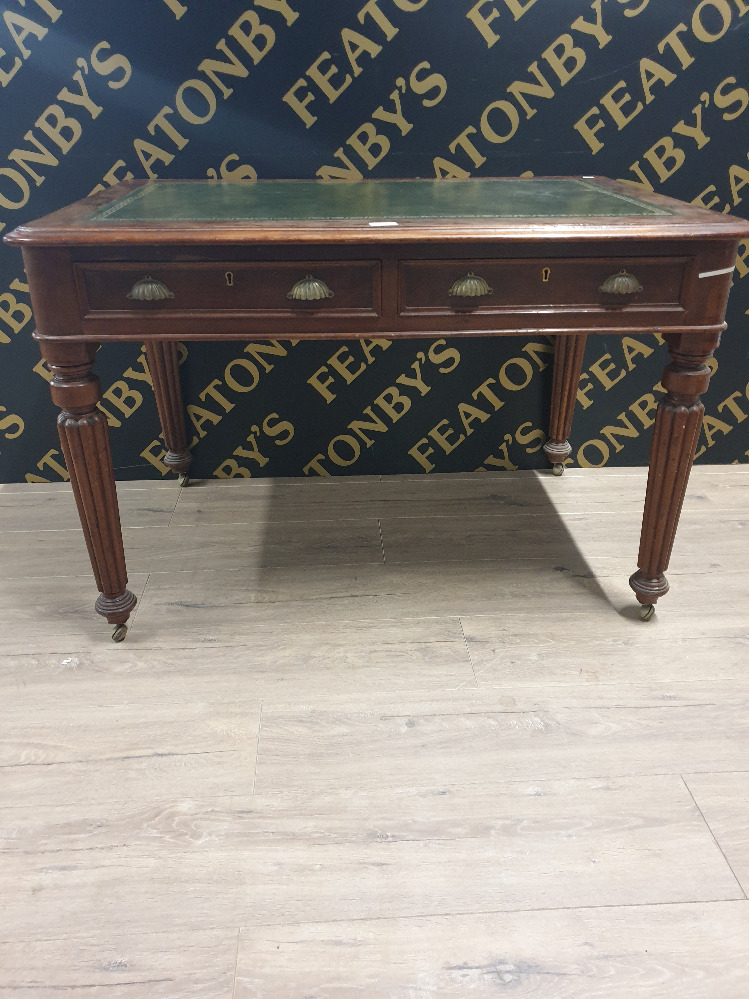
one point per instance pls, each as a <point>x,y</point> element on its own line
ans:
<point>677,428</point>
<point>163,364</point>
<point>85,444</point>
<point>568,362</point>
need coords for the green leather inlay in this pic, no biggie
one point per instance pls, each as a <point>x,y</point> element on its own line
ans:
<point>394,200</point>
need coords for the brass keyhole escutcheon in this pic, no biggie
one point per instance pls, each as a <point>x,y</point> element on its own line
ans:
<point>229,279</point>
<point>545,274</point>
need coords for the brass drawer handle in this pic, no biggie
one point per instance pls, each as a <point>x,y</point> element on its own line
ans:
<point>621,283</point>
<point>309,289</point>
<point>148,289</point>
<point>470,286</point>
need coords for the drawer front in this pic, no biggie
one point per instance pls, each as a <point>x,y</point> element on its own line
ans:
<point>286,288</point>
<point>435,286</point>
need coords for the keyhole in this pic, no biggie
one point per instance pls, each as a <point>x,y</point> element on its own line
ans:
<point>229,279</point>
<point>545,274</point>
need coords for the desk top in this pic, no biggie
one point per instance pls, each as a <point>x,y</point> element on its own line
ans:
<point>372,211</point>
<point>379,203</point>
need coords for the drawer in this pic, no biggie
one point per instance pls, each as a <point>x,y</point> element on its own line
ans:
<point>425,285</point>
<point>332,288</point>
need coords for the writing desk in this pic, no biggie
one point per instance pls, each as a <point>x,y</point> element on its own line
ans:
<point>162,261</point>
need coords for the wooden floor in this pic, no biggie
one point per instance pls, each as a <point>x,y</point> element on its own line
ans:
<point>396,738</point>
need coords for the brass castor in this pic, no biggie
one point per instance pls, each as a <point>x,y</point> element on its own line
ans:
<point>646,611</point>
<point>558,469</point>
<point>183,479</point>
<point>118,635</point>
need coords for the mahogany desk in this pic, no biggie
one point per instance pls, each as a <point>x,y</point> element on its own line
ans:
<point>162,261</point>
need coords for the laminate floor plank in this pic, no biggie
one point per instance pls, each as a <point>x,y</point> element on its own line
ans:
<point>580,491</point>
<point>31,507</point>
<point>130,965</point>
<point>169,549</point>
<point>653,694</point>
<point>306,500</point>
<point>143,778</point>
<point>353,855</point>
<point>704,538</point>
<point>315,660</point>
<point>56,614</point>
<point>642,952</point>
<point>279,500</point>
<point>25,489</point>
<point>707,544</point>
<point>480,735</point>
<point>723,799</point>
<point>710,488</point>
<point>78,725</point>
<point>502,653</point>
<point>214,606</point>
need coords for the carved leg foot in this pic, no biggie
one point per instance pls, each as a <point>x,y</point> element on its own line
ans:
<point>85,444</point>
<point>163,363</point>
<point>568,361</point>
<point>677,428</point>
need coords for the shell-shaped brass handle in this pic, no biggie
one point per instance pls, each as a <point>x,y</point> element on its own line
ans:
<point>470,286</point>
<point>148,289</point>
<point>309,289</point>
<point>621,283</point>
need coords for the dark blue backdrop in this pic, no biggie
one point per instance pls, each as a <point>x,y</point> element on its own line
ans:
<point>655,93</point>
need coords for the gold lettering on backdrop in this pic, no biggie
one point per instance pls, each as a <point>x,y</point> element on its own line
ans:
<point>565,58</point>
<point>515,374</point>
<point>373,424</point>
<point>369,143</point>
<point>60,126</point>
<point>119,400</point>
<point>733,409</point>
<point>624,101</point>
<point>20,27</point>
<point>49,461</point>
<point>731,404</point>
<point>531,439</point>
<point>14,314</point>
<point>328,78</point>
<point>123,397</point>
<point>393,403</point>
<point>526,434</point>
<point>608,372</point>
<point>665,157</point>
<point>111,177</point>
<point>277,433</point>
<point>110,65</point>
<point>249,40</point>
<point>11,426</point>
<point>742,259</point>
<point>241,376</point>
<point>482,21</point>
<point>122,400</point>
<point>634,10</point>
<point>154,453</point>
<point>736,179</point>
<point>41,369</point>
<point>596,452</point>
<point>500,120</point>
<point>177,8</point>
<point>346,366</point>
<point>482,14</point>
<point>231,66</point>
<point>501,459</point>
<point>236,175</point>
